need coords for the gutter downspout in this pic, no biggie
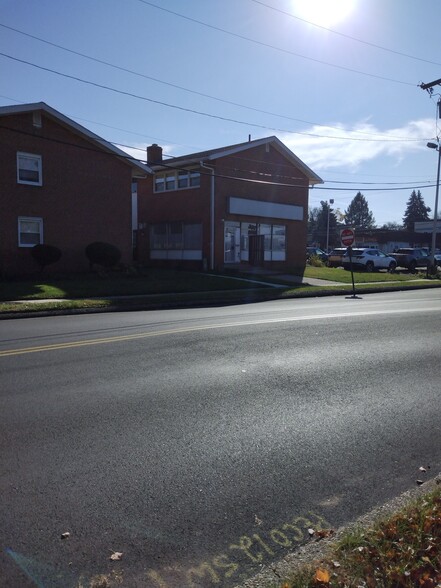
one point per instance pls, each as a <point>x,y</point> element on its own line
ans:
<point>211,213</point>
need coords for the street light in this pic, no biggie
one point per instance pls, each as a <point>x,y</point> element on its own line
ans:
<point>435,212</point>
<point>331,201</point>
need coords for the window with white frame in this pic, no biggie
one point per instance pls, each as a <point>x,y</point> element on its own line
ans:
<point>29,169</point>
<point>30,231</point>
<point>176,240</point>
<point>177,180</point>
<point>176,235</point>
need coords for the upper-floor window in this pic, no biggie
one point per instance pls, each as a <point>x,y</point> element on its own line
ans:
<point>30,231</point>
<point>29,169</point>
<point>177,180</point>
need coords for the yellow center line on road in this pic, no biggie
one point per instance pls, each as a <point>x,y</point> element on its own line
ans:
<point>86,342</point>
<point>119,338</point>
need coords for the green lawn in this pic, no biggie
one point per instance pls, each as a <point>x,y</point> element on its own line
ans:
<point>340,275</point>
<point>91,285</point>
<point>171,286</point>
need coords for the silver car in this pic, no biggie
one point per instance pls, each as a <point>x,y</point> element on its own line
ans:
<point>369,260</point>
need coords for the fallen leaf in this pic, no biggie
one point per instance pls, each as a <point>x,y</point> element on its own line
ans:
<point>116,556</point>
<point>324,533</point>
<point>65,535</point>
<point>322,576</point>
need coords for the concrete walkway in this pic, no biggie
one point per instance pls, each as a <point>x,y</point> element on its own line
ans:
<point>311,281</point>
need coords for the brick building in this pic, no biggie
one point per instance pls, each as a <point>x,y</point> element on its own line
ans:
<point>241,205</point>
<point>62,185</point>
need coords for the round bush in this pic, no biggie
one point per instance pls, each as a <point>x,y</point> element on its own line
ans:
<point>45,254</point>
<point>103,254</point>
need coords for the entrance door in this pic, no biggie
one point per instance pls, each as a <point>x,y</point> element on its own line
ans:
<point>231,244</point>
<point>256,249</point>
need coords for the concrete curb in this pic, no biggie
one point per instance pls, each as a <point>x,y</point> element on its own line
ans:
<point>314,551</point>
<point>141,302</point>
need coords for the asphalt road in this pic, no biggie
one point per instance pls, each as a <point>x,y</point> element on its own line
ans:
<point>202,444</point>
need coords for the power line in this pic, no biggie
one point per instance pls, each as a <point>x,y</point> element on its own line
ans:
<point>347,36</point>
<point>268,45</point>
<point>170,166</point>
<point>94,122</point>
<point>157,80</point>
<point>193,111</point>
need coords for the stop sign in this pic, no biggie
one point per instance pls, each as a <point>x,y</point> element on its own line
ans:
<point>347,237</point>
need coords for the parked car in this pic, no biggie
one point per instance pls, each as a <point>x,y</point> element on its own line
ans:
<point>317,252</point>
<point>335,256</point>
<point>411,257</point>
<point>369,260</point>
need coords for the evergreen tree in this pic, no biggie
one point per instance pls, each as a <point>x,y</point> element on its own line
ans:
<point>358,215</point>
<point>416,210</point>
<point>318,224</point>
<point>312,219</point>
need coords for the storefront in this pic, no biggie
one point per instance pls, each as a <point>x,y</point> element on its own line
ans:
<point>254,243</point>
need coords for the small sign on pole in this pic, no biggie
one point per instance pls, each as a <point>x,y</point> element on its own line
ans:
<point>347,238</point>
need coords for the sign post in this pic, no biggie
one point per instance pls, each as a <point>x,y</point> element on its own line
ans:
<point>347,238</point>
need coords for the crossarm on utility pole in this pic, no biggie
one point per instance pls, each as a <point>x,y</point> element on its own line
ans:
<point>430,85</point>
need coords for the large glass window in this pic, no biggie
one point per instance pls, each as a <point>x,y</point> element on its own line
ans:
<point>158,236</point>
<point>278,242</point>
<point>30,231</point>
<point>29,169</point>
<point>274,240</point>
<point>192,236</point>
<point>266,231</point>
<point>176,235</point>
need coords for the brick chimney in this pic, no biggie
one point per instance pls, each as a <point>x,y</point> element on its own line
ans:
<point>154,154</point>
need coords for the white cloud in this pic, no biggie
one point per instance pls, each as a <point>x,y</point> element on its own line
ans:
<point>325,151</point>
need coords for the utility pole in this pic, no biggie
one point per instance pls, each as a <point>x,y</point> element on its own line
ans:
<point>437,146</point>
<point>331,201</point>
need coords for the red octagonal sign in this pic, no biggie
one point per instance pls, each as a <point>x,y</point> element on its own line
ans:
<point>347,237</point>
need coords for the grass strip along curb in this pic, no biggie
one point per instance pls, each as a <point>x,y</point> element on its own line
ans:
<point>193,299</point>
<point>395,546</point>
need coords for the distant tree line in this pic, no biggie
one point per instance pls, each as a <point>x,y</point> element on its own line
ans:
<point>359,217</point>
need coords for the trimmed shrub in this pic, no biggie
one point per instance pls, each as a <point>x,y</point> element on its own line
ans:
<point>45,254</point>
<point>315,261</point>
<point>103,254</point>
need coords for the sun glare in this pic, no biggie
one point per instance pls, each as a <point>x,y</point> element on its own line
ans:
<point>325,13</point>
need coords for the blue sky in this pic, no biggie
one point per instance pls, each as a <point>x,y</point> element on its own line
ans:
<point>342,93</point>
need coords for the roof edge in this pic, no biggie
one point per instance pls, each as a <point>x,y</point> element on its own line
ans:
<point>65,120</point>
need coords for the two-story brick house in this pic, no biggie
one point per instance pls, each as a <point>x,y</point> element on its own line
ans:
<point>62,185</point>
<point>241,205</point>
